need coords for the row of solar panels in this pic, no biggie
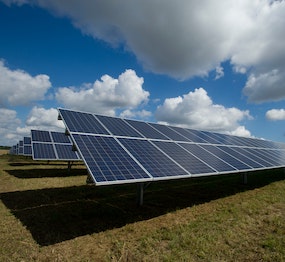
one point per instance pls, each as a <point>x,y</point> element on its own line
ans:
<point>80,122</point>
<point>23,147</point>
<point>46,145</point>
<point>117,150</point>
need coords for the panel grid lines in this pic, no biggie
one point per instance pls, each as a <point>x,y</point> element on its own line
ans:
<point>49,149</point>
<point>107,160</point>
<point>117,150</point>
<point>153,159</point>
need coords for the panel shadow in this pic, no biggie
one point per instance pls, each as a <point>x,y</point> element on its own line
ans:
<point>43,172</point>
<point>54,215</point>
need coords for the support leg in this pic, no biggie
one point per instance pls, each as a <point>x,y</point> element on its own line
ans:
<point>69,164</point>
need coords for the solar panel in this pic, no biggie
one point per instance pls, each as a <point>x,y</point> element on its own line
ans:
<point>187,160</point>
<point>170,133</point>
<point>215,162</point>
<point>82,122</point>
<point>107,161</point>
<point>21,147</point>
<point>27,140</point>
<point>190,135</point>
<point>28,150</point>
<point>233,161</point>
<point>58,137</point>
<point>147,130</point>
<point>43,151</point>
<point>40,136</point>
<point>155,161</point>
<point>27,143</point>
<point>118,127</point>
<point>53,146</point>
<point>64,152</point>
<point>117,150</point>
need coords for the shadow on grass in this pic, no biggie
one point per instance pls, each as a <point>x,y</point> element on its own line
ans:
<point>48,163</point>
<point>57,214</point>
<point>53,172</point>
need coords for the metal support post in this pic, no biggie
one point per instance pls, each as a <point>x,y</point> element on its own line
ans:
<point>69,164</point>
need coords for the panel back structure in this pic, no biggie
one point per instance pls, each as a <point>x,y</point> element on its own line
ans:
<point>117,150</point>
<point>50,145</point>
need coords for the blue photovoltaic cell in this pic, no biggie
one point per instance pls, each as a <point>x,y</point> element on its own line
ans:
<point>213,161</point>
<point>107,161</point>
<point>20,147</point>
<point>118,127</point>
<point>170,133</point>
<point>153,160</point>
<point>205,136</point>
<point>192,136</point>
<point>259,153</point>
<point>273,155</point>
<point>64,152</point>
<point>260,160</point>
<point>40,136</point>
<point>217,151</point>
<point>53,146</point>
<point>147,130</point>
<point>184,158</point>
<point>27,140</point>
<point>186,133</point>
<point>82,122</point>
<point>60,138</point>
<point>245,159</point>
<point>27,150</point>
<point>42,151</point>
<point>226,139</point>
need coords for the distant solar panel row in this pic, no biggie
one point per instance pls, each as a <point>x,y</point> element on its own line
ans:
<point>49,145</point>
<point>24,147</point>
<point>117,150</point>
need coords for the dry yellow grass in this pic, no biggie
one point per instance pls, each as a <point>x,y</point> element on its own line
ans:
<point>3,152</point>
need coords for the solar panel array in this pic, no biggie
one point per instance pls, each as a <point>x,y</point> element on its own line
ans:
<point>23,147</point>
<point>117,150</point>
<point>50,145</point>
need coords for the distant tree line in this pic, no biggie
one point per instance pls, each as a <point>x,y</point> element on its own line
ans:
<point>5,147</point>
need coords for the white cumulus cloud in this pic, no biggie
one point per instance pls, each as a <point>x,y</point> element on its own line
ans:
<point>41,118</point>
<point>143,114</point>
<point>17,87</point>
<point>190,38</point>
<point>106,95</point>
<point>265,87</point>
<point>197,110</point>
<point>8,125</point>
<point>275,114</point>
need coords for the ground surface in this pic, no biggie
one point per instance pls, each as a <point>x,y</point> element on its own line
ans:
<point>48,214</point>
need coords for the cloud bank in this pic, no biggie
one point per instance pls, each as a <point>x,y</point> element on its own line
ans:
<point>106,95</point>
<point>18,88</point>
<point>190,38</point>
<point>197,110</point>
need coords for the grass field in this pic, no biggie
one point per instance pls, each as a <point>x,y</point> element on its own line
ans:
<point>48,214</point>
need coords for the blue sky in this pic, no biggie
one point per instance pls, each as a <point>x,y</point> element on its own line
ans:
<point>200,64</point>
